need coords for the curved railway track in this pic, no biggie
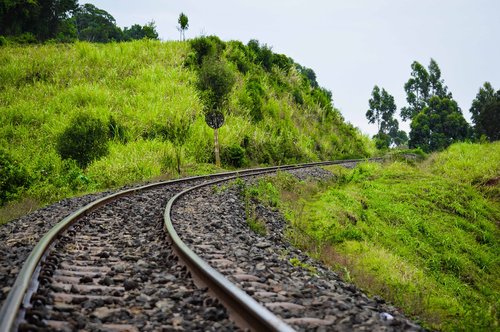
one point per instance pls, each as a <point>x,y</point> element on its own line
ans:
<point>109,266</point>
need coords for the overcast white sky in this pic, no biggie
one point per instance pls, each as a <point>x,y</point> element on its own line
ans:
<point>351,45</point>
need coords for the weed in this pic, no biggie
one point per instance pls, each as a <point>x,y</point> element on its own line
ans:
<point>298,263</point>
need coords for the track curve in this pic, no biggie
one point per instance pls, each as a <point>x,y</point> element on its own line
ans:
<point>113,279</point>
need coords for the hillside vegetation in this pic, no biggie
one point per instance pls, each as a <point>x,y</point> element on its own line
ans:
<point>425,237</point>
<point>145,95</point>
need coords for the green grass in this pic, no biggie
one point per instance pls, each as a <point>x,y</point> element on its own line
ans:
<point>147,88</point>
<point>418,235</point>
<point>474,164</point>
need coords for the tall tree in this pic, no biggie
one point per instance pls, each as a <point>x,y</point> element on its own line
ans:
<point>485,111</point>
<point>422,86</point>
<point>183,25</point>
<point>96,25</point>
<point>381,111</point>
<point>438,125</point>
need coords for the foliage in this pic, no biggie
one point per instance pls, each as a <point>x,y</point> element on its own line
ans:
<point>255,102</point>
<point>13,177</point>
<point>84,140</point>
<point>142,91</point>
<point>183,25</point>
<point>308,74</point>
<point>95,25</point>
<point>215,82</point>
<point>438,125</point>
<point>421,87</point>
<point>477,165</point>
<point>117,131</point>
<point>64,21</point>
<point>42,19</point>
<point>416,235</point>
<point>485,111</point>
<point>382,109</point>
<point>205,47</point>
<point>137,31</point>
<point>233,155</point>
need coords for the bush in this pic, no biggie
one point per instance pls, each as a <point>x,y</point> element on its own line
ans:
<point>216,80</point>
<point>210,46</point>
<point>236,53</point>
<point>256,93</point>
<point>84,140</point>
<point>13,178</point>
<point>233,155</point>
<point>117,131</point>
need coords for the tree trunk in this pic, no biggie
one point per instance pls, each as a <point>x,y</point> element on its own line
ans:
<point>216,139</point>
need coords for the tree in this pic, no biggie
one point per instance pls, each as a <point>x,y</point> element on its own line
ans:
<point>400,138</point>
<point>215,82</point>
<point>43,19</point>
<point>381,111</point>
<point>485,111</point>
<point>438,125</point>
<point>137,31</point>
<point>96,25</point>
<point>183,25</point>
<point>422,86</point>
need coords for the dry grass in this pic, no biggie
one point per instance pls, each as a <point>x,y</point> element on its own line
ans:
<point>14,210</point>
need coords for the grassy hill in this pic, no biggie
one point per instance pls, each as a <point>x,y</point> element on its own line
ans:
<point>424,236</point>
<point>141,90</point>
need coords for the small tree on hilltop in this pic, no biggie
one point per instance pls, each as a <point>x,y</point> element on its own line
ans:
<point>183,25</point>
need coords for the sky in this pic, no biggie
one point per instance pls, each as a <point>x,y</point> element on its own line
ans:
<point>351,45</point>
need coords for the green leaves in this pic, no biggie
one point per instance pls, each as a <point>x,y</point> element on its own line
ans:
<point>84,140</point>
<point>215,82</point>
<point>485,111</point>
<point>13,177</point>
<point>382,109</point>
<point>438,125</point>
<point>183,25</point>
<point>421,87</point>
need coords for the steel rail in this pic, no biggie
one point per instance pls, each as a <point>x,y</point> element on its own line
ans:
<point>19,291</point>
<point>245,310</point>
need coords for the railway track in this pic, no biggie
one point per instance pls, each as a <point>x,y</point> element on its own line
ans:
<point>109,266</point>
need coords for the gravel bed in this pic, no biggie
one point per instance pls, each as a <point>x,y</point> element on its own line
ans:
<point>18,237</point>
<point>303,292</point>
<point>115,268</point>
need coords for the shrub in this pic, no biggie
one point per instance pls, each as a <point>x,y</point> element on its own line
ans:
<point>84,140</point>
<point>233,155</point>
<point>210,46</point>
<point>117,131</point>
<point>256,93</point>
<point>237,54</point>
<point>13,178</point>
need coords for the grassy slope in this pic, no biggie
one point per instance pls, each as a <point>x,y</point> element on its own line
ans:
<point>144,85</point>
<point>425,237</point>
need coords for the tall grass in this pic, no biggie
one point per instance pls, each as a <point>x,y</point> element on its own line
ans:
<point>426,240</point>
<point>147,90</point>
